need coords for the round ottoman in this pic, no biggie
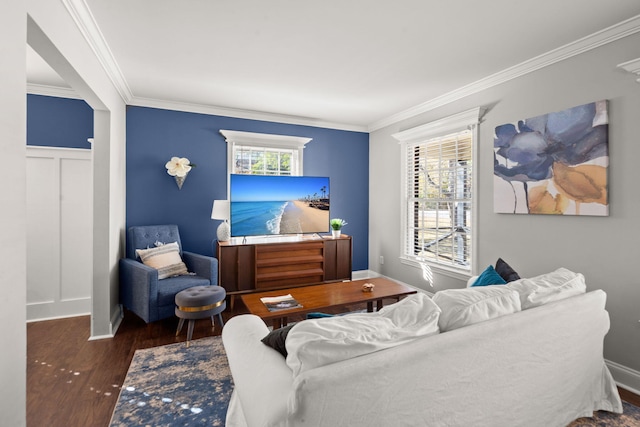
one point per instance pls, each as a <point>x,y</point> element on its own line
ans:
<point>199,302</point>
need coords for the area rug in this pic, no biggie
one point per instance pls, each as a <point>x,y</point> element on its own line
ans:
<point>173,385</point>
<point>630,418</point>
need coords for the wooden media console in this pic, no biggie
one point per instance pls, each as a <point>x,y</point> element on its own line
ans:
<point>282,262</point>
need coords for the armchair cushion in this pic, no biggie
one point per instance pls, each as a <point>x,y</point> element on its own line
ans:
<point>165,258</point>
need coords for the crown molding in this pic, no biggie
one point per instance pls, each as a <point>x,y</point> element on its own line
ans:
<point>57,91</point>
<point>86,23</point>
<point>600,38</point>
<point>242,114</point>
<point>81,14</point>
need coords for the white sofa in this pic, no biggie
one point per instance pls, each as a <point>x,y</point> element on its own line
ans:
<point>542,366</point>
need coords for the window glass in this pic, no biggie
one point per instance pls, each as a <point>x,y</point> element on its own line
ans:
<point>264,161</point>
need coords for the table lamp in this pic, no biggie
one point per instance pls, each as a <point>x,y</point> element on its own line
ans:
<point>221,211</point>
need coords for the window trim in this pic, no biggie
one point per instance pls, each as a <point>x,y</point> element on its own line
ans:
<point>465,120</point>
<point>266,140</point>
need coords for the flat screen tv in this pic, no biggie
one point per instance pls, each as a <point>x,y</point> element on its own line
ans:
<point>264,205</point>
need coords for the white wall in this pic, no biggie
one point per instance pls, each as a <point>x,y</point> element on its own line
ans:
<point>60,43</point>
<point>604,249</point>
<point>56,38</point>
<point>59,232</point>
<point>13,270</point>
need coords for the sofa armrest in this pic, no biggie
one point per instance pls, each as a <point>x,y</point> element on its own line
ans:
<point>263,381</point>
<point>139,288</point>
<point>203,266</point>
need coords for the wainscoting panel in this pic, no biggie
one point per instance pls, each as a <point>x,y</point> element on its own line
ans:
<point>59,232</point>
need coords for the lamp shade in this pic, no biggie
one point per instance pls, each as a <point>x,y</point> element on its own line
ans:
<point>220,209</point>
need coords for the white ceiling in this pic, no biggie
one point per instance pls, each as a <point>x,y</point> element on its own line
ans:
<point>352,63</point>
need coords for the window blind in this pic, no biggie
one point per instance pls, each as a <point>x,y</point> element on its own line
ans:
<point>439,200</point>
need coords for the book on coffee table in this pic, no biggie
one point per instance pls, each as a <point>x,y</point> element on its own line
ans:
<point>283,302</point>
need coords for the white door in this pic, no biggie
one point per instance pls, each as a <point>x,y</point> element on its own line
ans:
<point>59,232</point>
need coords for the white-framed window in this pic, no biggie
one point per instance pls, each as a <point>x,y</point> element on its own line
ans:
<point>264,154</point>
<point>253,160</point>
<point>438,176</point>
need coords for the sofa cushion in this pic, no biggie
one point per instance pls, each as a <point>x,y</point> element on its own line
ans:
<point>165,258</point>
<point>489,277</point>
<point>276,339</point>
<point>506,271</point>
<point>553,286</point>
<point>318,342</point>
<point>462,307</point>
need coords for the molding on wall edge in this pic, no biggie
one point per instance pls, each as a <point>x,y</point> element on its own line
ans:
<point>632,66</point>
<point>86,23</point>
<point>82,16</point>
<point>363,274</point>
<point>597,39</point>
<point>627,378</point>
<point>45,90</point>
<point>242,114</point>
<point>114,324</point>
<point>66,316</point>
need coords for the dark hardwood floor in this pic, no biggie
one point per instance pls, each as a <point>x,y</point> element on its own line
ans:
<point>72,381</point>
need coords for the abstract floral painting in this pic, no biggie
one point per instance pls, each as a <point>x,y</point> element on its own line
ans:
<point>554,164</point>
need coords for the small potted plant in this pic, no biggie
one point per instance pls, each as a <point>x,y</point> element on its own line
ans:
<point>336,226</point>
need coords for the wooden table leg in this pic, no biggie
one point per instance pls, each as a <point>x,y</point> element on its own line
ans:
<point>276,324</point>
<point>369,306</point>
<point>379,305</point>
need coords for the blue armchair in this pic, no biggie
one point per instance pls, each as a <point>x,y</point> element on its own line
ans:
<point>140,289</point>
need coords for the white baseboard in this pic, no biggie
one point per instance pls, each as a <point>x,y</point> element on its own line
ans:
<point>59,309</point>
<point>65,316</point>
<point>116,319</point>
<point>114,324</point>
<point>626,378</point>
<point>363,274</point>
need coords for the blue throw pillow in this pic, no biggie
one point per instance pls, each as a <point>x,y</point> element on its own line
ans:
<point>318,315</point>
<point>489,277</point>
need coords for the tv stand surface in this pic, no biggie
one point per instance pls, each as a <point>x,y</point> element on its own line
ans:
<point>281,262</point>
<point>276,238</point>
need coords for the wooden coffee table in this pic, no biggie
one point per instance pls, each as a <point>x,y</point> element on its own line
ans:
<point>326,296</point>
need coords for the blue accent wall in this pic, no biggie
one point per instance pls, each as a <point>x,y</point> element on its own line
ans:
<point>58,122</point>
<point>155,135</point>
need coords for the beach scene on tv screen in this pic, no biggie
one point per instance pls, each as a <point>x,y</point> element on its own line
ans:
<point>271,205</point>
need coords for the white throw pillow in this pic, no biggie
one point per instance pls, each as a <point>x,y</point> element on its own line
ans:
<point>462,307</point>
<point>548,287</point>
<point>165,258</point>
<point>318,342</point>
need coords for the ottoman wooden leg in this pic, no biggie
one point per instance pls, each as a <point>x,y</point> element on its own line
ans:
<point>190,330</point>
<point>180,324</point>
<point>219,319</point>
